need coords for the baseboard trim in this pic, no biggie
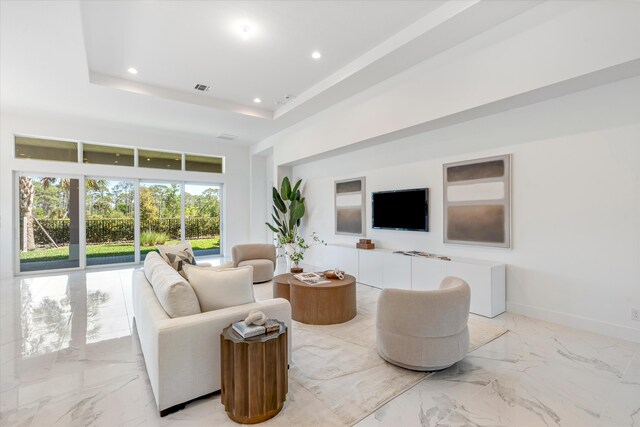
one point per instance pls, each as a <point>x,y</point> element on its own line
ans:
<point>578,322</point>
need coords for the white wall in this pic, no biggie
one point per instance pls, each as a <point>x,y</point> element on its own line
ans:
<point>235,180</point>
<point>259,202</point>
<point>540,53</point>
<point>576,201</point>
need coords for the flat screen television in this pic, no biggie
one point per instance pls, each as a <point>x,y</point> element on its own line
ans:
<point>401,209</point>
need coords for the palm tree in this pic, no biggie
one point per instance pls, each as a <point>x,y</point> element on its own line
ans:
<point>27,194</point>
<point>26,210</point>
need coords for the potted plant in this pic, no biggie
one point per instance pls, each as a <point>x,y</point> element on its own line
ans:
<point>295,251</point>
<point>288,210</point>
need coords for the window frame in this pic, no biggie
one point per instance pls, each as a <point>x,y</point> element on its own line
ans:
<point>222,158</point>
<point>136,154</point>
<point>81,154</point>
<point>15,143</point>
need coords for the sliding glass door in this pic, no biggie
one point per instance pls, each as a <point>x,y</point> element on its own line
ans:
<point>160,215</point>
<point>52,223</point>
<point>49,215</point>
<point>110,221</point>
<point>202,218</point>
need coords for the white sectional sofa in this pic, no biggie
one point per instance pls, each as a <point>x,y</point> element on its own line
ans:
<point>182,354</point>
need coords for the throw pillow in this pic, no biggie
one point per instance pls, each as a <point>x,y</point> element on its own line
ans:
<point>174,293</point>
<point>221,288</point>
<point>177,256</point>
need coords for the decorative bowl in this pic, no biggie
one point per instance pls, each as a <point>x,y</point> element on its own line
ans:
<point>331,274</point>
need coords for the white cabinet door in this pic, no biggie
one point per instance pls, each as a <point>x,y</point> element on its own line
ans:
<point>426,274</point>
<point>498,290</point>
<point>479,279</point>
<point>370,268</point>
<point>396,271</point>
<point>330,256</point>
<point>342,257</point>
<point>347,261</point>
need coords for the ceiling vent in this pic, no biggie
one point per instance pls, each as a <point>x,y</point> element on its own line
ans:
<point>202,88</point>
<point>227,136</point>
<point>285,100</point>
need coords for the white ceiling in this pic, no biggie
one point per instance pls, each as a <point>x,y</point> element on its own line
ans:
<point>175,45</point>
<point>70,57</point>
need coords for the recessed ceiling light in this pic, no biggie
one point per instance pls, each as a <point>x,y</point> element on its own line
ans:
<point>132,70</point>
<point>316,55</point>
<point>257,100</point>
<point>244,30</point>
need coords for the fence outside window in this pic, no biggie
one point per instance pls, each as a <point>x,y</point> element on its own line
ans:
<point>114,230</point>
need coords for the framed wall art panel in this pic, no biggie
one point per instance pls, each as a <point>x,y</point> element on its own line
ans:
<point>350,207</point>
<point>477,202</point>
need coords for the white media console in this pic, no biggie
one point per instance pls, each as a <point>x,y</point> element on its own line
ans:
<point>383,269</point>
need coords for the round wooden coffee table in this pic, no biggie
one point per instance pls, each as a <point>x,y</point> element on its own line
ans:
<point>325,304</point>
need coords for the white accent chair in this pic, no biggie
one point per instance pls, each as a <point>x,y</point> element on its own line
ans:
<point>424,330</point>
<point>261,256</point>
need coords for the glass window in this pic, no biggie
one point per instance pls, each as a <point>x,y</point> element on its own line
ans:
<point>46,149</point>
<point>160,215</point>
<point>159,160</point>
<point>109,207</point>
<point>105,155</point>
<point>49,222</point>
<point>202,218</point>
<point>203,163</point>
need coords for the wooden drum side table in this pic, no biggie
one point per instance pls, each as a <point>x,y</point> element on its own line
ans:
<point>325,304</point>
<point>254,375</point>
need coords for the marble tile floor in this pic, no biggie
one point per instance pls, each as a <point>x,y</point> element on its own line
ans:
<point>69,355</point>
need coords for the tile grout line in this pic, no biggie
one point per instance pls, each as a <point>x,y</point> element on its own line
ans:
<point>124,300</point>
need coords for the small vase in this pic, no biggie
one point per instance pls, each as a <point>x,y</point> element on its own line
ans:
<point>292,266</point>
<point>290,248</point>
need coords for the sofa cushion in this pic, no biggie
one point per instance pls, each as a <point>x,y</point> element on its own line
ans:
<point>174,293</point>
<point>221,288</point>
<point>178,255</point>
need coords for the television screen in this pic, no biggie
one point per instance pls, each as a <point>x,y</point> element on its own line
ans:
<point>401,209</point>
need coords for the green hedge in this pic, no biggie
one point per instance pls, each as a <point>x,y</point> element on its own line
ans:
<point>121,229</point>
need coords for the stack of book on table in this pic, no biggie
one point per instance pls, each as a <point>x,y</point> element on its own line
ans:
<point>311,278</point>
<point>248,331</point>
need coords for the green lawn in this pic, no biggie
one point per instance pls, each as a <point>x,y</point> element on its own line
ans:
<point>94,251</point>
